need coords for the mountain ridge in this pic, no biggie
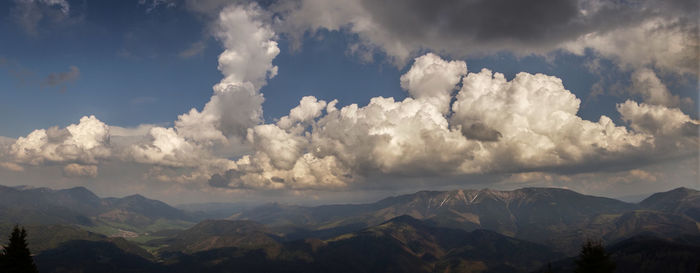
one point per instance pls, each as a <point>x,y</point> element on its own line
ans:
<point>428,231</point>
<point>80,206</point>
<point>545,215</point>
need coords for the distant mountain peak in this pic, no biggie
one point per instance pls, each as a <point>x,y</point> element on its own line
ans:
<point>80,191</point>
<point>24,187</point>
<point>135,196</point>
<point>78,188</point>
<point>405,219</point>
<point>32,188</point>
<point>436,199</point>
<point>672,195</point>
<point>684,190</point>
<point>679,201</point>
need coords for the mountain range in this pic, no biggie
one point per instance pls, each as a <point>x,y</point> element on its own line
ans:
<point>429,231</point>
<point>556,217</point>
<point>79,206</point>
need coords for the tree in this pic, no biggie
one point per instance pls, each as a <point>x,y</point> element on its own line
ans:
<point>15,257</point>
<point>593,258</point>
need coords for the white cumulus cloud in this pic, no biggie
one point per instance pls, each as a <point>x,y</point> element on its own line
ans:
<point>87,141</point>
<point>526,124</point>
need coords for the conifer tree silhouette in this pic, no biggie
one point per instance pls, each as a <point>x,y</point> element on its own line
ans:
<point>15,257</point>
<point>593,258</point>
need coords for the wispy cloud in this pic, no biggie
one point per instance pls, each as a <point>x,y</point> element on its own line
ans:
<point>29,13</point>
<point>194,49</point>
<point>20,73</point>
<point>62,78</point>
<point>12,166</point>
<point>154,4</point>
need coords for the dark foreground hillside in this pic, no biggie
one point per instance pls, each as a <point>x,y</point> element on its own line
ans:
<point>647,254</point>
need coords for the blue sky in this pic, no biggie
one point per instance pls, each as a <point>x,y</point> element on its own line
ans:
<point>146,62</point>
<point>131,71</point>
<point>124,54</point>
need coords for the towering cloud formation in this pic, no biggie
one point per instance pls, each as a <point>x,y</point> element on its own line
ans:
<point>236,104</point>
<point>453,121</point>
<point>246,64</point>
<point>493,126</point>
<point>431,78</point>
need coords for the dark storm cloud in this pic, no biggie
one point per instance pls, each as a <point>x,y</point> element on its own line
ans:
<point>526,21</point>
<point>229,179</point>
<point>528,24</point>
<point>218,181</point>
<point>462,28</point>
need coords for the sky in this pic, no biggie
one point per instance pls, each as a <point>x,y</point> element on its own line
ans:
<point>320,101</point>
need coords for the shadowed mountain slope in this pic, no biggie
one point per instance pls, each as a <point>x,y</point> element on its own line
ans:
<point>403,244</point>
<point>678,201</point>
<point>212,234</point>
<point>93,256</point>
